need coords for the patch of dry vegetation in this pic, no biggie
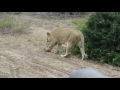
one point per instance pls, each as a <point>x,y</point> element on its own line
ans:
<point>9,25</point>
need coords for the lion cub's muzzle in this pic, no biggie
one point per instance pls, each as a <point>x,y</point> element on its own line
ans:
<point>47,50</point>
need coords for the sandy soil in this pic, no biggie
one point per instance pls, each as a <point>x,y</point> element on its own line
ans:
<point>23,56</point>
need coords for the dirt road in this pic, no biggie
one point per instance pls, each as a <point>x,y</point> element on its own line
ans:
<point>23,56</point>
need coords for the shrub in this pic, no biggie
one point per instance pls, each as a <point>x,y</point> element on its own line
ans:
<point>102,37</point>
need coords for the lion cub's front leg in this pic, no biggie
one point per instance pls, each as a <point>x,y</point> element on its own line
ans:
<point>58,48</point>
<point>68,47</point>
<point>49,48</point>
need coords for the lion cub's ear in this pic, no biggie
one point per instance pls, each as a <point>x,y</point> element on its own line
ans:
<point>57,26</point>
<point>48,33</point>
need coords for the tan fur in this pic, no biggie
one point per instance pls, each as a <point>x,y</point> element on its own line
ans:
<point>69,37</point>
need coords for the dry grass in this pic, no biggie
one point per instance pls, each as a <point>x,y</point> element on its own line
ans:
<point>9,25</point>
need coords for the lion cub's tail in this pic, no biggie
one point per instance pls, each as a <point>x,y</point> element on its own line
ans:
<point>82,41</point>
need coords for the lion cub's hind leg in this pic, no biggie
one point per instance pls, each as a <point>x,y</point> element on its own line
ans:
<point>82,50</point>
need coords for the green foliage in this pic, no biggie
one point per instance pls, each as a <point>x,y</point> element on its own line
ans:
<point>116,60</point>
<point>102,37</point>
<point>75,50</point>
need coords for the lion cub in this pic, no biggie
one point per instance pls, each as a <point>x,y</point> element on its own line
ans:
<point>69,37</point>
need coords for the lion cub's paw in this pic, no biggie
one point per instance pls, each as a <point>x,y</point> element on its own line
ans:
<point>65,56</point>
<point>62,55</point>
<point>46,50</point>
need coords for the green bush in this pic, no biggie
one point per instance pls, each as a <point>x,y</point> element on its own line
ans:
<point>75,50</point>
<point>102,37</point>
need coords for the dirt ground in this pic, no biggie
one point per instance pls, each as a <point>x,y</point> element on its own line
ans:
<point>23,56</point>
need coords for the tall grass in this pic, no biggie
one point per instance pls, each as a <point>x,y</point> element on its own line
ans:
<point>9,25</point>
<point>80,22</point>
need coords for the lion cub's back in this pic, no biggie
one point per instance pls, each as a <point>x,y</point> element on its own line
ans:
<point>63,32</point>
